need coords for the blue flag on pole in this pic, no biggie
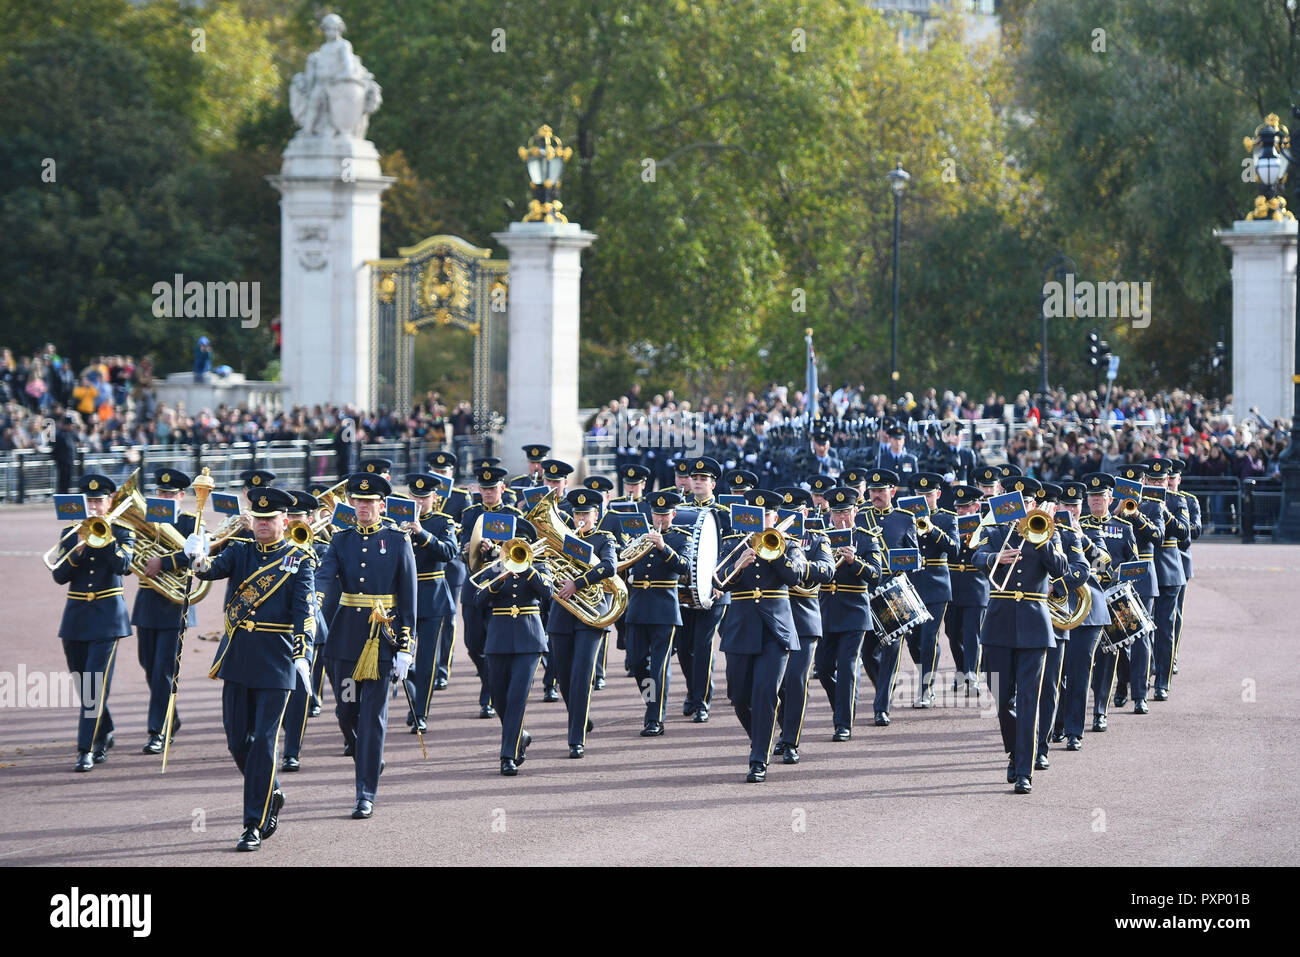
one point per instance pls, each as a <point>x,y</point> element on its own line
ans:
<point>811,405</point>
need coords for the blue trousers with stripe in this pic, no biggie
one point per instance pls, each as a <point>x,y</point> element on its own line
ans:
<point>649,652</point>
<point>794,689</point>
<point>837,669</point>
<point>91,664</point>
<point>252,718</point>
<point>574,656</point>
<point>753,683</point>
<point>511,677</point>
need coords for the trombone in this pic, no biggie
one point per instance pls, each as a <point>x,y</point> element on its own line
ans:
<point>769,544</point>
<point>96,530</point>
<point>517,556</point>
<point>1036,528</point>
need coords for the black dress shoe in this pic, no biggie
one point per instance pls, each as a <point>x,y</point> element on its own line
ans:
<point>420,726</point>
<point>757,772</point>
<point>841,734</point>
<point>652,730</point>
<point>1058,735</point>
<point>1141,707</point>
<point>551,694</point>
<point>779,748</point>
<point>1011,770</point>
<point>410,720</point>
<point>176,726</point>
<point>598,684</point>
<point>349,750</point>
<point>84,762</point>
<point>591,726</point>
<point>925,701</point>
<point>291,763</point>
<point>315,711</point>
<point>363,809</point>
<point>1041,763</point>
<point>250,840</point>
<point>882,719</point>
<point>100,754</point>
<point>577,751</point>
<point>688,708</point>
<point>1175,668</point>
<point>440,684</point>
<point>154,745</point>
<point>1099,722</point>
<point>1074,743</point>
<point>1121,700</point>
<point>509,768</point>
<point>701,716</point>
<point>791,755</point>
<point>1023,785</point>
<point>273,815</point>
<point>525,739</point>
<point>487,711</point>
<point>1161,694</point>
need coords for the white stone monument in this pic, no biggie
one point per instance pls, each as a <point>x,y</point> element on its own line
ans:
<point>542,379</point>
<point>330,187</point>
<point>1263,315</point>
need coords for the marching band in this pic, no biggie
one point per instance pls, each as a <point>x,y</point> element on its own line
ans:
<point>1044,592</point>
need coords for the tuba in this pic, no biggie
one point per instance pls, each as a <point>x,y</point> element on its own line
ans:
<point>586,604</point>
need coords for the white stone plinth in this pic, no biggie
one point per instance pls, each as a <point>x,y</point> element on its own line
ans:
<point>1263,315</point>
<point>330,190</point>
<point>542,385</point>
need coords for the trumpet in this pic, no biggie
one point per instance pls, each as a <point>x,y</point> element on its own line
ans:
<point>769,544</point>
<point>923,525</point>
<point>1035,528</point>
<point>1128,508</point>
<point>517,556</point>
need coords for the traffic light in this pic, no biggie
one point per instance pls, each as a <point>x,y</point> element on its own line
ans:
<point>1220,354</point>
<point>1094,350</point>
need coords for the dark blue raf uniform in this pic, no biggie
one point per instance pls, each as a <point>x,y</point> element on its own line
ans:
<point>970,596</point>
<point>363,565</point>
<point>608,523</point>
<point>758,635</point>
<point>902,463</point>
<point>699,625</point>
<point>654,615</point>
<point>267,629</point>
<point>846,618</point>
<point>805,608</point>
<point>301,698</point>
<point>1192,513</point>
<point>1133,671</point>
<point>555,471</point>
<point>1118,538</point>
<point>574,645</point>
<point>895,529</point>
<point>1169,576</point>
<point>515,641</point>
<point>157,621</point>
<point>453,506</point>
<point>94,619</point>
<point>434,545</point>
<point>933,585</point>
<point>475,623</point>
<point>1017,634</point>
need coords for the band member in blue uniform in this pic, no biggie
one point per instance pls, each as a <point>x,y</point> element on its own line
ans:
<point>970,590</point>
<point>1018,631</point>
<point>1149,526</point>
<point>573,643</point>
<point>938,548</point>
<point>434,539</point>
<point>511,605</point>
<point>1081,649</point>
<point>1117,537</point>
<point>1169,574</point>
<point>94,617</point>
<point>372,569</point>
<point>489,481</point>
<point>634,479</point>
<point>304,509</point>
<point>695,638</point>
<point>157,619</point>
<point>454,504</point>
<point>608,522</point>
<point>324,608</point>
<point>896,529</point>
<point>758,632</point>
<point>653,614</point>
<point>846,611</point>
<point>268,626</point>
<point>1192,505</point>
<point>554,478</point>
<point>894,456</point>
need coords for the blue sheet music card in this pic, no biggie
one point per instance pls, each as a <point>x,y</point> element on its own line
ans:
<point>916,504</point>
<point>577,549</point>
<point>623,507</point>
<point>814,523</point>
<point>795,528</point>
<point>1127,488</point>
<point>160,510</point>
<point>1008,508</point>
<point>1132,571</point>
<point>70,508</point>
<point>730,500</point>
<point>345,516</point>
<point>966,524</point>
<point>905,559</point>
<point>400,510</point>
<point>839,537</point>
<point>633,524</point>
<point>746,518</point>
<point>1062,518</point>
<point>532,495</point>
<point>223,503</point>
<point>498,528</point>
<point>442,484</point>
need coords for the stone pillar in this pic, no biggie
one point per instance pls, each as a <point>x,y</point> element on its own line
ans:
<point>1263,316</point>
<point>542,383</point>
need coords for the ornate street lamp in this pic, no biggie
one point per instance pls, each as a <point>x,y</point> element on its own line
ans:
<point>898,179</point>
<point>544,157</point>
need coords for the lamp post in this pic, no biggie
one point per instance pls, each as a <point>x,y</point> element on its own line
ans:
<point>545,156</point>
<point>1057,264</point>
<point>898,179</point>
<point>1271,155</point>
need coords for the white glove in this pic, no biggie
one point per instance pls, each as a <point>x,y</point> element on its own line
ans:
<point>195,546</point>
<point>402,664</point>
<point>304,672</point>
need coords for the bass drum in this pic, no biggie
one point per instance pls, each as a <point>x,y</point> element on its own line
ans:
<point>701,555</point>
